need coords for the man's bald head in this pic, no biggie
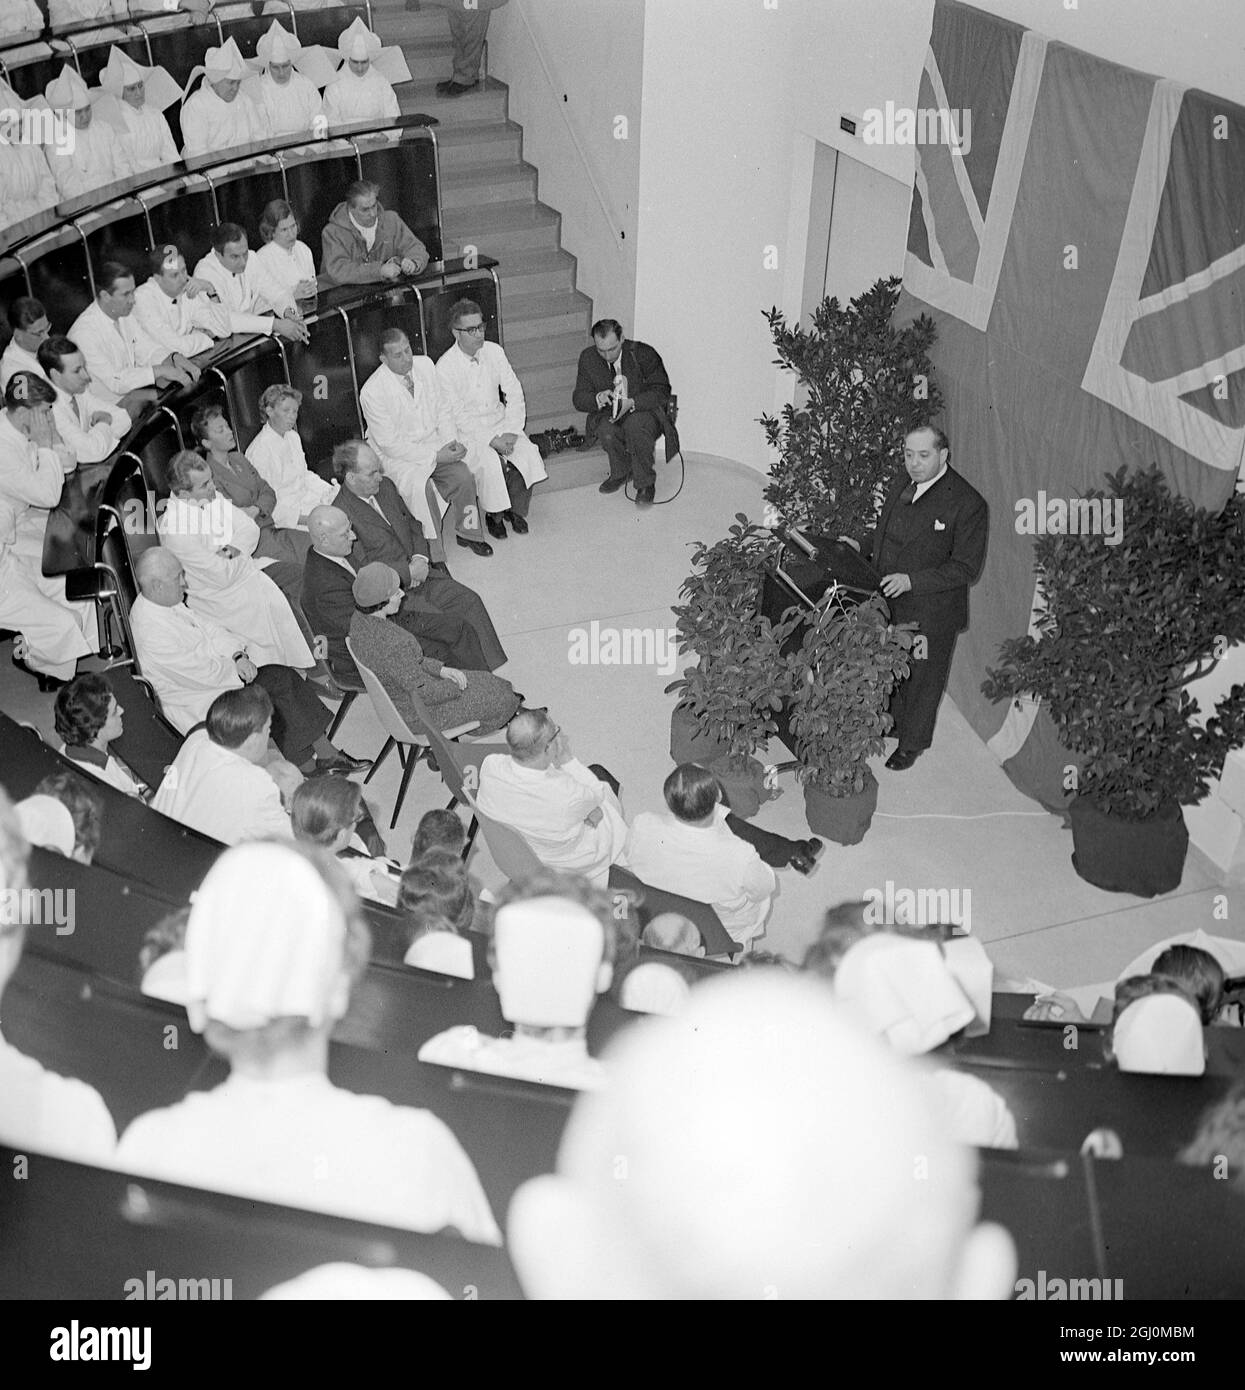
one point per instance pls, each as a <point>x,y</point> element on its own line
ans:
<point>159,575</point>
<point>758,1146</point>
<point>330,531</point>
<point>528,734</point>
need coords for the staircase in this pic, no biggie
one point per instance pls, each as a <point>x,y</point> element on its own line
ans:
<point>489,200</point>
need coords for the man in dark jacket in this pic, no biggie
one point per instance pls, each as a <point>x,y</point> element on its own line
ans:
<point>368,522</point>
<point>364,243</point>
<point>928,546</point>
<point>623,388</point>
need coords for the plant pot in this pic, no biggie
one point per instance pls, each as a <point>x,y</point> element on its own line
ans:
<point>743,782</point>
<point>1144,857</point>
<point>688,744</point>
<point>843,819</point>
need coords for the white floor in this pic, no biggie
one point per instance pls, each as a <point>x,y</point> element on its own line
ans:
<point>953,821</point>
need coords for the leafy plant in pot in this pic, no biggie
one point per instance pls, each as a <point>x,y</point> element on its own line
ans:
<point>843,676</point>
<point>1128,626</point>
<point>864,385</point>
<point>727,702</point>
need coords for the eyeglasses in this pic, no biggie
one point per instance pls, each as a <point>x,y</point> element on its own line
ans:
<point>470,328</point>
<point>553,738</point>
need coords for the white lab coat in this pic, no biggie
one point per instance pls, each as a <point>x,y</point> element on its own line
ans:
<point>183,324</point>
<point>97,159</point>
<point>240,295</point>
<point>407,432</point>
<point>280,462</point>
<point>89,443</point>
<point>218,793</point>
<point>147,142</point>
<point>186,656</point>
<point>368,98</point>
<point>118,352</point>
<point>276,272</point>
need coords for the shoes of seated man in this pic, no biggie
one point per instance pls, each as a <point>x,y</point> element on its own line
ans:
<point>903,758</point>
<point>478,547</point>
<point>804,859</point>
<point>342,762</point>
<point>518,524</point>
<point>495,526</point>
<point>644,496</point>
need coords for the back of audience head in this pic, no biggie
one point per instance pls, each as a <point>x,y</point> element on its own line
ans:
<point>325,810</point>
<point>553,944</point>
<point>1199,972</point>
<point>844,925</point>
<point>26,391</point>
<point>184,470</point>
<point>692,793</point>
<point>760,1075</point>
<point>438,829</point>
<point>529,734</point>
<point>275,941</point>
<point>435,894</point>
<point>1156,1028</point>
<point>85,809</point>
<point>241,720</point>
<point>82,709</point>
<point>168,935</point>
<point>671,931</point>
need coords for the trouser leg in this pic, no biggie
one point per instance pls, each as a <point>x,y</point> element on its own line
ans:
<point>299,719</point>
<point>468,29</point>
<point>640,430</point>
<point>611,439</point>
<point>775,850</point>
<point>914,705</point>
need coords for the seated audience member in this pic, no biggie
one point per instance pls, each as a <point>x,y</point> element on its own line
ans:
<point>33,465</point>
<point>179,313</point>
<point>363,243</point>
<point>40,1111</point>
<point>760,1076</point>
<point>290,102</point>
<point>623,388</point>
<point>411,430</point>
<point>475,377</point>
<point>551,918</point>
<point>29,322</point>
<point>238,478</point>
<point>94,158</point>
<point>90,427</point>
<point>385,530</point>
<point>571,819</point>
<point>654,988</point>
<point>277,455</point>
<point>141,96</point>
<point>162,959</point>
<point>283,268</point>
<point>88,717</point>
<point>228,268</point>
<point>357,92</point>
<point>1156,1028</point>
<point>903,990</point>
<point>438,830</point>
<point>1199,972</point>
<point>669,931</point>
<point>693,852</point>
<point>85,810</point>
<point>219,783</point>
<point>219,115</point>
<point>25,175</point>
<point>274,944</point>
<point>436,899</point>
<point>215,542</point>
<point>324,811</point>
<point>844,925</point>
<point>190,660</point>
<point>449,696</point>
<point>125,364</point>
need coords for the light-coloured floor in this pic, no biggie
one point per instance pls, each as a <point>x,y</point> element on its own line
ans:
<point>953,821</point>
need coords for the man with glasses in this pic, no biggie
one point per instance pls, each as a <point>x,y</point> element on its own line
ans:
<point>488,412</point>
<point>623,388</point>
<point>364,243</point>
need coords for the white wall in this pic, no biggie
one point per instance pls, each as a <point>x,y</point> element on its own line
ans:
<point>591,52</point>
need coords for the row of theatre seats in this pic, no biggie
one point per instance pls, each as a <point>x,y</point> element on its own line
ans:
<point>1164,1230</point>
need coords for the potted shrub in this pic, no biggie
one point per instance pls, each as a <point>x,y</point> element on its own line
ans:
<point>863,386</point>
<point>727,702</point>
<point>843,676</point>
<point>1128,626</point>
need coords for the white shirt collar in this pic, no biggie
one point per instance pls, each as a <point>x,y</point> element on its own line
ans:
<point>925,487</point>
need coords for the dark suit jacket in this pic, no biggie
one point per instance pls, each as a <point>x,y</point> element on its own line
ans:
<point>943,556</point>
<point>391,544</point>
<point>647,383</point>
<point>328,604</point>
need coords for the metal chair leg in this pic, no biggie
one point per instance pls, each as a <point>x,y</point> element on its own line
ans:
<point>348,699</point>
<point>384,753</point>
<point>414,756</point>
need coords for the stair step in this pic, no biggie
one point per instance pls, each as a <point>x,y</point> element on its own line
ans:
<point>532,272</point>
<point>533,353</point>
<point>485,104</point>
<point>500,229</point>
<point>463,147</point>
<point>557,376</point>
<point>572,468</point>
<point>486,184</point>
<point>538,315</point>
<point>430,60</point>
<point>408,29</point>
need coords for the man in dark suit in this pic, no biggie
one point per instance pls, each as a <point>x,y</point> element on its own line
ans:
<point>928,546</point>
<point>449,619</point>
<point>623,389</point>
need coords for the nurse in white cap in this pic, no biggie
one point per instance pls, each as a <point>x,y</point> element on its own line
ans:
<point>94,157</point>
<point>358,92</point>
<point>136,98</point>
<point>218,116</point>
<point>290,101</point>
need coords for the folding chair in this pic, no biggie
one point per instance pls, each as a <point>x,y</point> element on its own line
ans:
<point>412,746</point>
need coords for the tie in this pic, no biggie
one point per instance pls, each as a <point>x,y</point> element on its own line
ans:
<point>377,510</point>
<point>618,371</point>
<point>409,382</point>
<point>908,495</point>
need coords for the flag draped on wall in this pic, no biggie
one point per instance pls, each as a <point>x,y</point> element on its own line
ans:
<point>1078,234</point>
